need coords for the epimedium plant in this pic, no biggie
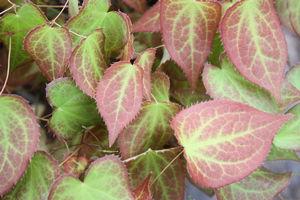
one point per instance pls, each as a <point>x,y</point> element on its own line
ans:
<point>191,89</point>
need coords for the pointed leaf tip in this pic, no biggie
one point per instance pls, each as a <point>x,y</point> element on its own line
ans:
<point>119,96</point>
<point>224,141</point>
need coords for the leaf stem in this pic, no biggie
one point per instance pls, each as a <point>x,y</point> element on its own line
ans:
<point>77,34</point>
<point>61,11</point>
<point>8,67</point>
<point>4,11</point>
<point>168,165</point>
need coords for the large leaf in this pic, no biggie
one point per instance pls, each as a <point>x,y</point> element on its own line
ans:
<point>224,141</point>
<point>93,15</point>
<point>261,184</point>
<point>138,5</point>
<point>19,135</point>
<point>88,62</point>
<point>150,129</point>
<point>149,22</point>
<point>17,26</point>
<point>106,179</point>
<point>188,29</point>
<point>36,182</point>
<point>51,48</point>
<point>227,83</point>
<point>289,135</point>
<point>254,42</point>
<point>145,60</point>
<point>169,184</point>
<point>288,11</point>
<point>73,110</point>
<point>119,96</point>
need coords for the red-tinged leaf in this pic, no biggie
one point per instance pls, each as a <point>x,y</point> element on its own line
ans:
<point>50,48</point>
<point>143,191</point>
<point>119,96</point>
<point>188,37</point>
<point>168,185</point>
<point>254,42</point>
<point>150,129</point>
<point>19,137</point>
<point>261,184</point>
<point>88,62</point>
<point>145,60</point>
<point>149,22</point>
<point>289,95</point>
<point>224,141</point>
<point>128,50</point>
<point>160,87</point>
<point>138,5</point>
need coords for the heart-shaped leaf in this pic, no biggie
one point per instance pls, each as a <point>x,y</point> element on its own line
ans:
<point>261,184</point>
<point>93,15</point>
<point>227,83</point>
<point>73,110</point>
<point>160,87</point>
<point>119,96</point>
<point>150,21</point>
<point>145,60</point>
<point>17,26</point>
<point>106,179</point>
<point>254,42</point>
<point>289,135</point>
<point>138,5</point>
<point>88,62</point>
<point>169,184</point>
<point>188,37</point>
<point>36,182</point>
<point>51,48</point>
<point>19,135</point>
<point>150,129</point>
<point>224,141</point>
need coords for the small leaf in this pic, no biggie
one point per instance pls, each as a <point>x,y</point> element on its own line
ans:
<point>169,184</point>
<point>143,191</point>
<point>188,37</point>
<point>145,60</point>
<point>254,42</point>
<point>88,62</point>
<point>17,26</point>
<point>227,83</point>
<point>50,48</point>
<point>160,87</point>
<point>289,135</point>
<point>224,141</point>
<point>106,179</point>
<point>150,129</point>
<point>289,95</point>
<point>19,136</point>
<point>93,15</point>
<point>149,22</point>
<point>277,153</point>
<point>293,76</point>
<point>36,182</point>
<point>138,5</point>
<point>128,50</point>
<point>73,110</point>
<point>119,96</point>
<point>261,184</point>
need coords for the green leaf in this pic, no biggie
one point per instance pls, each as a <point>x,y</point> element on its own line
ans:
<point>293,76</point>
<point>88,62</point>
<point>289,95</point>
<point>277,153</point>
<point>289,135</point>
<point>36,182</point>
<point>51,48</point>
<point>93,15</point>
<point>73,7</point>
<point>19,135</point>
<point>73,110</point>
<point>227,83</point>
<point>169,184</point>
<point>160,87</point>
<point>216,50</point>
<point>18,25</point>
<point>150,129</point>
<point>106,179</point>
<point>261,184</point>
